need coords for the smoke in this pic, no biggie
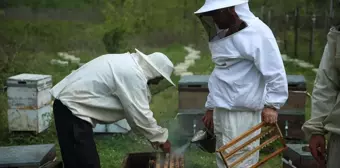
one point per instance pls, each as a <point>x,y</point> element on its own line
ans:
<point>177,135</point>
<point>181,150</point>
<point>180,142</point>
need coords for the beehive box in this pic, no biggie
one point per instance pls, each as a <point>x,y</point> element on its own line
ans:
<point>190,121</point>
<point>31,156</point>
<point>290,123</point>
<point>297,93</point>
<point>29,91</point>
<point>32,120</point>
<point>292,114</point>
<point>153,160</point>
<point>295,156</point>
<point>193,91</point>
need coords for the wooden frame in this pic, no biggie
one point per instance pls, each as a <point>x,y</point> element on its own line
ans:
<point>277,135</point>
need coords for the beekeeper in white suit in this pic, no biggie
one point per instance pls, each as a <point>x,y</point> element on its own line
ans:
<point>105,90</point>
<point>249,77</point>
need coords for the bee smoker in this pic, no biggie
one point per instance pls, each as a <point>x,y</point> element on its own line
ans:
<point>205,140</point>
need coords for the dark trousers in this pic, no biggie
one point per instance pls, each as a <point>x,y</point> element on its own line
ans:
<point>75,137</point>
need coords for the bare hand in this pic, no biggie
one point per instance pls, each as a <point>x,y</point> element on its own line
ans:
<point>317,147</point>
<point>269,115</point>
<point>208,119</point>
<point>166,147</point>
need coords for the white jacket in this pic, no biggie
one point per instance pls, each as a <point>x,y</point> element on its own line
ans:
<point>110,88</point>
<point>249,71</point>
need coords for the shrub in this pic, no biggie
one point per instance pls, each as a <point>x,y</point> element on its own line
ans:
<point>114,40</point>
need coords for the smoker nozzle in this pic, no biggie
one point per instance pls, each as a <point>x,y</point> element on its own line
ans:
<point>200,135</point>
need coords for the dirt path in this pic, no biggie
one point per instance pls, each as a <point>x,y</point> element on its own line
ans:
<point>181,69</point>
<point>300,63</point>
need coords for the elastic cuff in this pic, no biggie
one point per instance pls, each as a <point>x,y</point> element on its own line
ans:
<point>273,105</point>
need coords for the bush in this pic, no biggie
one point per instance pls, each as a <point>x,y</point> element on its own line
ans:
<point>114,40</point>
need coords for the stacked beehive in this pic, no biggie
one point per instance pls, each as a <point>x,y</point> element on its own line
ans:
<point>292,114</point>
<point>29,102</point>
<point>193,92</point>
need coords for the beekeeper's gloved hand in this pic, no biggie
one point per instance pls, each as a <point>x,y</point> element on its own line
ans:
<point>166,147</point>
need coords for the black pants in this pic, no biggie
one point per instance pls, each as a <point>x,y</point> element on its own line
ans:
<point>75,137</point>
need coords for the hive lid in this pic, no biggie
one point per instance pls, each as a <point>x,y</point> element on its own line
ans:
<point>30,80</point>
<point>31,155</point>
<point>297,150</point>
<point>194,80</point>
<point>191,111</point>
<point>29,77</point>
<point>297,112</point>
<point>296,79</point>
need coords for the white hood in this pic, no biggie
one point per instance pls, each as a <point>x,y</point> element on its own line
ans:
<point>148,70</point>
<point>211,5</point>
<point>214,33</point>
<point>244,13</point>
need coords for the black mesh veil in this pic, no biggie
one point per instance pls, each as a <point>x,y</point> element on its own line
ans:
<point>211,28</point>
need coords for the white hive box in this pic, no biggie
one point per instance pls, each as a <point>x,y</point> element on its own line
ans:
<point>120,126</point>
<point>29,102</point>
<point>32,120</point>
<point>29,91</point>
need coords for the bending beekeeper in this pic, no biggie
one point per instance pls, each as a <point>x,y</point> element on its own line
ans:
<point>325,115</point>
<point>249,77</point>
<point>105,90</point>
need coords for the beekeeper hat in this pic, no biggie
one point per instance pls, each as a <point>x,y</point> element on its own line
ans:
<point>160,62</point>
<point>211,5</point>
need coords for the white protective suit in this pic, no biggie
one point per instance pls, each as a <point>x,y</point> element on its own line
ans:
<point>113,87</point>
<point>248,74</point>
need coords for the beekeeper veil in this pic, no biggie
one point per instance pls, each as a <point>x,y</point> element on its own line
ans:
<point>213,32</point>
<point>155,65</point>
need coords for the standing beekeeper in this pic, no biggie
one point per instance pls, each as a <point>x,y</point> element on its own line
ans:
<point>325,115</point>
<point>107,89</point>
<point>249,77</point>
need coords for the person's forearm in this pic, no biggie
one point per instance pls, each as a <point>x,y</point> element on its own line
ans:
<point>209,103</point>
